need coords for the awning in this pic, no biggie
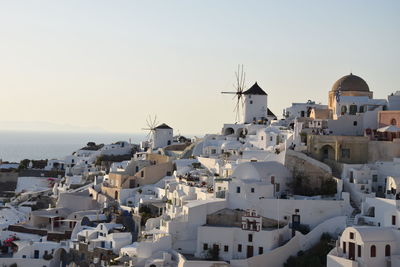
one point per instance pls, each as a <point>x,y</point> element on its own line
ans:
<point>389,129</point>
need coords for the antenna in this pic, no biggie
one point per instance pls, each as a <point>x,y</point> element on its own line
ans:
<point>239,88</point>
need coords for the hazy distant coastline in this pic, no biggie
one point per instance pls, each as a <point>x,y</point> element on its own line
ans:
<point>18,145</point>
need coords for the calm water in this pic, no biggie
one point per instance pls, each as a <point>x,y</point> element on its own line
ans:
<point>16,146</point>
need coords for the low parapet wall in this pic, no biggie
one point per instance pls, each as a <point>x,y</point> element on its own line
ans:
<point>278,256</point>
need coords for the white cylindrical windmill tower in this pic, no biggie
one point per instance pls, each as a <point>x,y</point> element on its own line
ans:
<point>162,136</point>
<point>255,104</point>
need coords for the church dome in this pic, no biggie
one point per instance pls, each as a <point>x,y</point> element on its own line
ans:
<point>350,83</point>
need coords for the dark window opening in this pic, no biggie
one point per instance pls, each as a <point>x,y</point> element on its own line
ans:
<point>373,251</point>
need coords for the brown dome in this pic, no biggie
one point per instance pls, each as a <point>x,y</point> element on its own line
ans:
<point>350,83</point>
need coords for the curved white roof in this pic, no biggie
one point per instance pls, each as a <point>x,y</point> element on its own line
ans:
<point>231,145</point>
<point>272,129</point>
<point>374,234</point>
<point>260,170</point>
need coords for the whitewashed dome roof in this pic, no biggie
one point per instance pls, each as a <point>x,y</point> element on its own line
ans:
<point>260,170</point>
<point>231,145</point>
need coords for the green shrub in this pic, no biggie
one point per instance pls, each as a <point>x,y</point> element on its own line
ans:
<point>314,257</point>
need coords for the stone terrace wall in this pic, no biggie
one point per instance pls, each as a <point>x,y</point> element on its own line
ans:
<point>298,162</point>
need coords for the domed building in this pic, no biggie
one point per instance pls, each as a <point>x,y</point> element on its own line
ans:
<point>252,181</point>
<point>349,85</point>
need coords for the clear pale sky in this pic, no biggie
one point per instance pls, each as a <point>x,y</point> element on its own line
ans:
<point>109,64</point>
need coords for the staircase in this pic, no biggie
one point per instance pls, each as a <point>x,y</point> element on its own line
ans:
<point>350,220</point>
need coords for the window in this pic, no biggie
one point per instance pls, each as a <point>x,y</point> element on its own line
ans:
<point>251,101</point>
<point>359,251</point>
<point>270,138</point>
<point>252,189</point>
<point>250,238</point>
<point>344,247</point>
<point>393,220</point>
<point>387,251</point>
<point>137,168</point>
<point>361,109</point>
<point>260,250</point>
<point>374,178</point>
<point>142,173</point>
<point>277,187</point>
<point>240,248</point>
<point>213,151</point>
<point>238,189</point>
<point>355,123</point>
<point>262,138</point>
<point>373,251</point>
<point>272,179</point>
<point>302,113</point>
<point>343,110</point>
<point>393,122</point>
<point>345,153</point>
<point>205,246</point>
<point>351,235</point>
<point>353,109</point>
<point>226,248</point>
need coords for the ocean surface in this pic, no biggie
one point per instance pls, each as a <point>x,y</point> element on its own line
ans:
<point>18,145</point>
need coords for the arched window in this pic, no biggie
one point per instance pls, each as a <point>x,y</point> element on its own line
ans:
<point>353,109</point>
<point>373,251</point>
<point>393,122</point>
<point>387,250</point>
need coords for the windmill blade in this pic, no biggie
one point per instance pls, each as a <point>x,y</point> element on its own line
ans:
<point>155,122</point>
<point>244,79</point>
<point>232,93</point>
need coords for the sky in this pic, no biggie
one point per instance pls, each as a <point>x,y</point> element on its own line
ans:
<point>107,65</point>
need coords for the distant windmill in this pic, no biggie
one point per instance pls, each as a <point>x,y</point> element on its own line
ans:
<point>151,126</point>
<point>239,87</point>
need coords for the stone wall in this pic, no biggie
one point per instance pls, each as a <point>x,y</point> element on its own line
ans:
<point>299,163</point>
<point>8,181</point>
<point>383,150</point>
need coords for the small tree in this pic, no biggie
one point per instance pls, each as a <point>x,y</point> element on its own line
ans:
<point>213,253</point>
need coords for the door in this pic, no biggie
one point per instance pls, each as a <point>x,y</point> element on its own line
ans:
<point>352,250</point>
<point>249,251</point>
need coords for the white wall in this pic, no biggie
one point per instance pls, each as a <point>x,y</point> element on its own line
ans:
<point>258,108</point>
<point>278,256</point>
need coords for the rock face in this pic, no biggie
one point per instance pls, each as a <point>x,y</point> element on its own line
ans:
<point>8,181</point>
<point>300,164</point>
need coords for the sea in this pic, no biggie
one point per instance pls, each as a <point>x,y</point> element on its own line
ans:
<point>18,145</point>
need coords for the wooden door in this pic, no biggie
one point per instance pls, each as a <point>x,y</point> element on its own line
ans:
<point>352,250</point>
<point>250,251</point>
